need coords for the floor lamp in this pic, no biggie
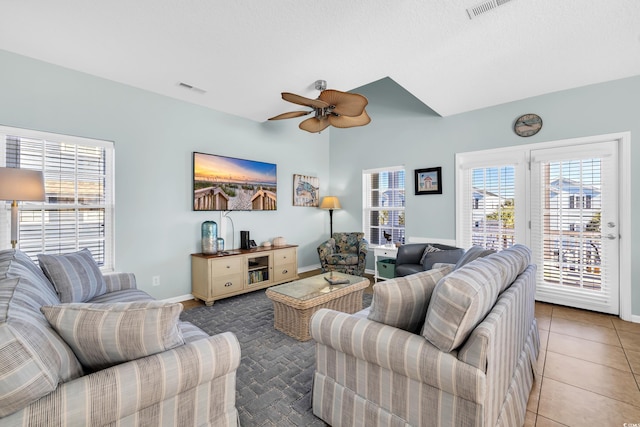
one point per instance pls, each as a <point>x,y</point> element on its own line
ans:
<point>20,185</point>
<point>331,203</point>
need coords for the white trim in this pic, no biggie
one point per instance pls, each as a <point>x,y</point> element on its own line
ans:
<point>464,160</point>
<point>624,189</point>
<point>54,136</point>
<point>186,297</point>
<point>309,268</point>
<point>389,169</point>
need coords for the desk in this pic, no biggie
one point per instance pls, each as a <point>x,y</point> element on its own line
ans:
<point>382,252</point>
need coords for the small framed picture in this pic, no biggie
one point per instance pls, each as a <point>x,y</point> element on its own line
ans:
<point>306,191</point>
<point>428,181</point>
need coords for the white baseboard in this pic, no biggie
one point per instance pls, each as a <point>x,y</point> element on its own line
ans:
<point>635,318</point>
<point>309,268</point>
<point>180,298</point>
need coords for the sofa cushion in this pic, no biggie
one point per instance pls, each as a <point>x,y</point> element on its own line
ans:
<point>342,259</point>
<point>463,298</point>
<point>348,242</point>
<point>459,302</point>
<point>76,276</point>
<point>31,352</point>
<point>450,256</point>
<point>402,302</point>
<point>427,250</point>
<point>472,253</point>
<point>102,335</point>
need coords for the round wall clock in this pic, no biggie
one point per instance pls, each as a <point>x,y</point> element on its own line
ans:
<point>527,125</point>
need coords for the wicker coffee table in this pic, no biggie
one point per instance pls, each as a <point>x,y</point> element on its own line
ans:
<point>295,302</point>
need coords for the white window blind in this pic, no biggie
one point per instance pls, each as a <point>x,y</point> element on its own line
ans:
<point>384,205</point>
<point>78,210</point>
<point>490,200</point>
<point>573,188</point>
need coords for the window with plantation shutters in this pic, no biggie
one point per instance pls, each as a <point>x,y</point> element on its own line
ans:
<point>491,212</point>
<point>78,210</point>
<point>560,198</point>
<point>383,205</point>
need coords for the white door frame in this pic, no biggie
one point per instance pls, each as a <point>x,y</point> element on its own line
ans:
<point>624,200</point>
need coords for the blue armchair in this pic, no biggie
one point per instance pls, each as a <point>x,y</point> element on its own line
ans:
<point>344,252</point>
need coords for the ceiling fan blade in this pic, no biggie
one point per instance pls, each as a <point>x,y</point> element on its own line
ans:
<point>346,104</point>
<point>290,115</point>
<point>301,100</point>
<point>349,122</point>
<point>314,125</point>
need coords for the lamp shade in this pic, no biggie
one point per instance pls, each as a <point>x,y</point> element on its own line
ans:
<point>330,202</point>
<point>21,185</point>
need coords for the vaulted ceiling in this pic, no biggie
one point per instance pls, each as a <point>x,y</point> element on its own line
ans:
<point>239,55</point>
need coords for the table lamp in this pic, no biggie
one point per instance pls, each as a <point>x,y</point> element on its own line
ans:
<point>331,203</point>
<point>20,185</point>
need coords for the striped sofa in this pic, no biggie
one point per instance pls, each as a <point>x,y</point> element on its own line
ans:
<point>436,348</point>
<point>44,383</point>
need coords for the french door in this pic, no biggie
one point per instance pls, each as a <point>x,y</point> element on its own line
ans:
<point>574,225</point>
<point>559,199</point>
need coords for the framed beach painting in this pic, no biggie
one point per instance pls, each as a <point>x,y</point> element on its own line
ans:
<point>428,181</point>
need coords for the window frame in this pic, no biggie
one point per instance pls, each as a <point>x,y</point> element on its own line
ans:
<point>108,193</point>
<point>367,209</point>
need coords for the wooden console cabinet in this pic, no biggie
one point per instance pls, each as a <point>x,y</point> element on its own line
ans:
<point>214,277</point>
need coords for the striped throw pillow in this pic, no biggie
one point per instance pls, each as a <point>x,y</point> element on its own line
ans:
<point>460,301</point>
<point>76,276</point>
<point>403,301</point>
<point>103,335</point>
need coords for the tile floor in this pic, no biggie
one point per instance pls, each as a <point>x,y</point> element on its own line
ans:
<point>589,369</point>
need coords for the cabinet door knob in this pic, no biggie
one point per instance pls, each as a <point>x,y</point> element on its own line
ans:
<point>285,271</point>
<point>226,285</point>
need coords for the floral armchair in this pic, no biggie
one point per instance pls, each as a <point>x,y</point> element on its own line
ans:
<point>344,252</point>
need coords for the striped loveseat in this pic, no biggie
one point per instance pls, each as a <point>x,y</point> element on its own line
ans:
<point>70,365</point>
<point>436,348</point>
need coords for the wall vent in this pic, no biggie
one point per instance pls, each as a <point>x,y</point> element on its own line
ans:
<point>484,7</point>
<point>191,87</point>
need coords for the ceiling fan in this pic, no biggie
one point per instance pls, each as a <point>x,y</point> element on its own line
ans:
<point>331,108</point>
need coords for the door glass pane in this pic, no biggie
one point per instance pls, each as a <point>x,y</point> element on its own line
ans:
<point>571,223</point>
<point>493,207</point>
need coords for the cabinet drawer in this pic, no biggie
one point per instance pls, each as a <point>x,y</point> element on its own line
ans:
<point>284,272</point>
<point>227,266</point>
<point>389,253</point>
<point>284,256</point>
<point>228,283</point>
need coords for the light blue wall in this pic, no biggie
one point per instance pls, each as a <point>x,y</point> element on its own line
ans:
<point>405,132</point>
<point>156,229</point>
<point>155,137</point>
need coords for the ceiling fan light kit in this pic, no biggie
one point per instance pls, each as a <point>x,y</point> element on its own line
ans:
<point>331,108</point>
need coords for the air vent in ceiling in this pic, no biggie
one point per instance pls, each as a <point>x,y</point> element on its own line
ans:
<point>484,7</point>
<point>190,87</point>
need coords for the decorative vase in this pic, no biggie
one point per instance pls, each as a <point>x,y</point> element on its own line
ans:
<point>220,242</point>
<point>209,231</point>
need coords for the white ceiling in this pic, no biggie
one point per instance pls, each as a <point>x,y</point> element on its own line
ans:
<point>245,52</point>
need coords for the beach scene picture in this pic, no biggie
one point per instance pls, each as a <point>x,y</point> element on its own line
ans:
<point>223,183</point>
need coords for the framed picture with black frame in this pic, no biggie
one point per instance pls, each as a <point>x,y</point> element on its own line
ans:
<point>428,181</point>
